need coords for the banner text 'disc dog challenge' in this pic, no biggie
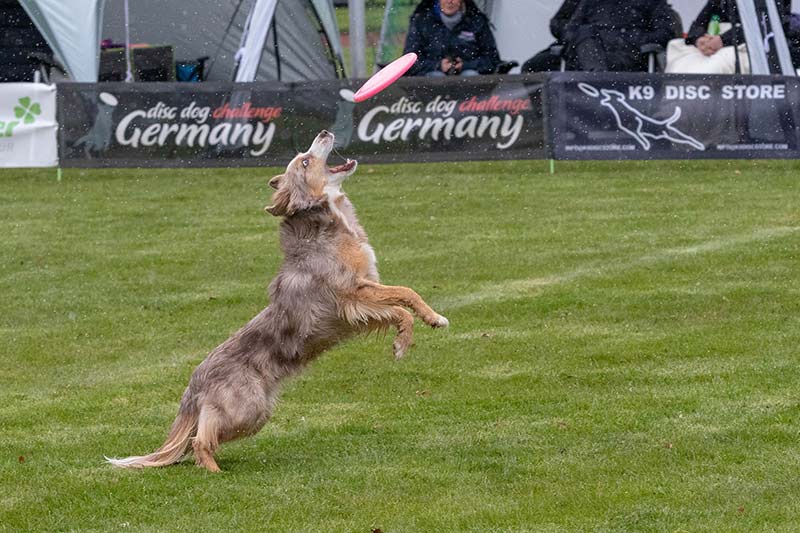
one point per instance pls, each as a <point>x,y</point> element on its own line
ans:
<point>494,117</point>
<point>188,125</point>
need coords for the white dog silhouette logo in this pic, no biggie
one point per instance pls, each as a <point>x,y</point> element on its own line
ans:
<point>639,126</point>
<point>98,138</point>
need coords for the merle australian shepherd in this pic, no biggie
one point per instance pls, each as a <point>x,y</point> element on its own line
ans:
<point>327,290</point>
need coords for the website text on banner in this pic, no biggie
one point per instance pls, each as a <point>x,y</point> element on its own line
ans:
<point>28,128</point>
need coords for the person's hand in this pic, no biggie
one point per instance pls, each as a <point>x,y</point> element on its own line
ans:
<point>709,44</point>
<point>702,43</point>
<point>446,65</point>
<point>714,44</point>
<point>458,65</point>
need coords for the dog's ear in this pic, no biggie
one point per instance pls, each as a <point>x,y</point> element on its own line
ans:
<point>275,182</point>
<point>288,200</point>
<point>280,203</point>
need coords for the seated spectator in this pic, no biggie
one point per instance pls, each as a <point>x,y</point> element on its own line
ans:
<point>607,35</point>
<point>546,60</point>
<point>793,36</point>
<point>706,53</point>
<point>451,38</point>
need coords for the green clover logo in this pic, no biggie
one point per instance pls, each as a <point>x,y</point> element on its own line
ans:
<point>27,111</point>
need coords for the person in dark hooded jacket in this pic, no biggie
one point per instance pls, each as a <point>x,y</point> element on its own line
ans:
<point>450,37</point>
<point>607,35</point>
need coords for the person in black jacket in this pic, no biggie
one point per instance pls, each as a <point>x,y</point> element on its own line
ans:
<point>726,10</point>
<point>451,37</point>
<point>607,35</point>
<point>546,61</point>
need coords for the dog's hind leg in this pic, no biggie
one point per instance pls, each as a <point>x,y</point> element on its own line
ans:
<point>367,316</point>
<point>404,322</point>
<point>375,293</point>
<point>207,439</point>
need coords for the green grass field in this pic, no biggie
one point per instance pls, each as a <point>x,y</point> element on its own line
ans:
<point>622,355</point>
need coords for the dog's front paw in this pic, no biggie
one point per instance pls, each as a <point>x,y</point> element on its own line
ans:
<point>440,322</point>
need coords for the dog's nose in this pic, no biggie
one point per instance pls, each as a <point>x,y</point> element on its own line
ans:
<point>324,133</point>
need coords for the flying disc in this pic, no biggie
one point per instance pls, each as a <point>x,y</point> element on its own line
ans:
<point>385,77</point>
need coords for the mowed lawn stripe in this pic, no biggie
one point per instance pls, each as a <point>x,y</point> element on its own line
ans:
<point>519,288</point>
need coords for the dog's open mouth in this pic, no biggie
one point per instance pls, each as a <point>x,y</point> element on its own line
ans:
<point>345,167</point>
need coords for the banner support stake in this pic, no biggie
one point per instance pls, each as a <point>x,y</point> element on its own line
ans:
<point>552,166</point>
<point>58,174</point>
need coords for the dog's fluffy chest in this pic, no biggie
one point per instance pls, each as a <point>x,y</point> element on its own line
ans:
<point>358,257</point>
<point>354,249</point>
<point>372,262</point>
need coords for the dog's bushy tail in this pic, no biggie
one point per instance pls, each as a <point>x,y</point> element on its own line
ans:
<point>176,445</point>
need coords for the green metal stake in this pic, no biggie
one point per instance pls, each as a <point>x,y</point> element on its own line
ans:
<point>58,174</point>
<point>552,166</point>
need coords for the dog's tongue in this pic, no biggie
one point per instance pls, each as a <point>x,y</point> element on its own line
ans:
<point>343,167</point>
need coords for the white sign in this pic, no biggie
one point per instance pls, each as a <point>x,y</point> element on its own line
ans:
<point>28,128</point>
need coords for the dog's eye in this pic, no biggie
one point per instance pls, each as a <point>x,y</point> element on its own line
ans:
<point>305,163</point>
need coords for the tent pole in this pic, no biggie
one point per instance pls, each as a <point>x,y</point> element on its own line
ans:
<point>128,72</point>
<point>358,39</point>
<point>275,42</point>
<point>752,36</point>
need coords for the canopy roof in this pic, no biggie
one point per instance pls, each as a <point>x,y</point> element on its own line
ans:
<point>303,40</point>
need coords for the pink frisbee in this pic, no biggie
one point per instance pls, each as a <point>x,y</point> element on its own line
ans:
<point>385,77</point>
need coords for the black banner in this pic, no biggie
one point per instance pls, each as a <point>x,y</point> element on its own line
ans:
<point>643,116</point>
<point>254,124</point>
<point>172,124</point>
<point>418,119</point>
<point>586,116</point>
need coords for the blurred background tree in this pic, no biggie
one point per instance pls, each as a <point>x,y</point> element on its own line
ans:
<point>395,15</point>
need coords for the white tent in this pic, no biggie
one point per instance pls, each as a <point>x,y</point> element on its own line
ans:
<point>297,41</point>
<point>72,29</point>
